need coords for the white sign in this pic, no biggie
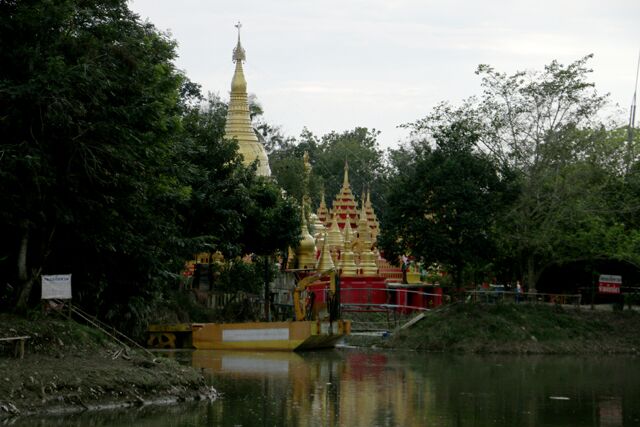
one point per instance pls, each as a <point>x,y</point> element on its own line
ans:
<point>240,335</point>
<point>609,284</point>
<point>56,287</point>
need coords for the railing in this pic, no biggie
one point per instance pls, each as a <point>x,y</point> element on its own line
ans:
<point>383,299</point>
<point>106,329</point>
<point>495,296</point>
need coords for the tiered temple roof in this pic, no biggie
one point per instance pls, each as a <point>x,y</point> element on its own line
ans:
<point>323,212</point>
<point>344,208</point>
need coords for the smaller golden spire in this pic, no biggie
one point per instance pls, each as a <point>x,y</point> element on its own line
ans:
<point>345,180</point>
<point>336,240</point>
<point>318,227</point>
<point>372,219</point>
<point>306,252</point>
<point>325,262</point>
<point>347,261</point>
<point>323,212</point>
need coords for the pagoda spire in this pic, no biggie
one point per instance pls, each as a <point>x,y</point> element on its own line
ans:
<point>238,124</point>
<point>344,205</point>
<point>345,180</point>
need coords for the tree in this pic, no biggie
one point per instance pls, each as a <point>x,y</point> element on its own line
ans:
<point>443,202</point>
<point>88,106</point>
<point>110,167</point>
<point>327,155</point>
<point>541,125</point>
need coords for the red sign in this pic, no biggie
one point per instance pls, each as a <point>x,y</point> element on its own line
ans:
<point>609,284</point>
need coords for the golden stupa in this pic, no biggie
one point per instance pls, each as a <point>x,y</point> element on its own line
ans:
<point>344,207</point>
<point>347,257</point>
<point>238,124</point>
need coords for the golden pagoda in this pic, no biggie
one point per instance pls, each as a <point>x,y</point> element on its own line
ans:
<point>367,264</point>
<point>347,258</point>
<point>238,124</point>
<point>363,239</point>
<point>325,262</point>
<point>318,227</point>
<point>344,206</point>
<point>372,219</point>
<point>334,235</point>
<point>323,212</point>
<point>306,252</point>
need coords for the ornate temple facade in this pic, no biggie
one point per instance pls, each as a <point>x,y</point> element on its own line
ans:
<point>238,124</point>
<point>344,235</point>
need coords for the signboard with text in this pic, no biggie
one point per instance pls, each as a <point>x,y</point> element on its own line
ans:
<point>56,286</point>
<point>609,284</point>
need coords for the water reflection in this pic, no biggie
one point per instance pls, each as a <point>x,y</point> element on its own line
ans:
<point>356,388</point>
<point>366,388</point>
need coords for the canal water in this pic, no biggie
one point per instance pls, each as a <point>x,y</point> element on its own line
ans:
<point>355,387</point>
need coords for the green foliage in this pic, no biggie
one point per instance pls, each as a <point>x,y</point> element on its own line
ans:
<point>238,275</point>
<point>327,156</point>
<point>571,192</point>
<point>88,101</point>
<point>111,166</point>
<point>443,202</point>
<point>520,328</point>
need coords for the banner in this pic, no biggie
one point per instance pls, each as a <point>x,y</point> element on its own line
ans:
<point>56,287</point>
<point>609,284</point>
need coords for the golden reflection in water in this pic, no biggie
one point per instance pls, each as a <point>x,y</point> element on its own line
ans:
<point>350,389</point>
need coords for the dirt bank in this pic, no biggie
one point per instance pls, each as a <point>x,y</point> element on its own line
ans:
<point>520,329</point>
<point>68,367</point>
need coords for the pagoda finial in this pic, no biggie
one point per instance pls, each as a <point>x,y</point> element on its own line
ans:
<point>238,51</point>
<point>345,181</point>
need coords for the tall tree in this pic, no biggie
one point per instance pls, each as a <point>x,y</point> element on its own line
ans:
<point>443,202</point>
<point>87,108</point>
<point>538,123</point>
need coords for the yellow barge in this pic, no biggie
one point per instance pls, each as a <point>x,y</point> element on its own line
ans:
<point>288,336</point>
<point>283,336</point>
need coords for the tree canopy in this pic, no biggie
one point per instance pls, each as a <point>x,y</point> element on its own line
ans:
<point>443,202</point>
<point>569,173</point>
<point>111,166</point>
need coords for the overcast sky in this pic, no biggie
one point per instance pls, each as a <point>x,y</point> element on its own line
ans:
<point>335,65</point>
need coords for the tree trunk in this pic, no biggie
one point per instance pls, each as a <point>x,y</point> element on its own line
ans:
<point>25,291</point>
<point>26,282</point>
<point>28,277</point>
<point>22,253</point>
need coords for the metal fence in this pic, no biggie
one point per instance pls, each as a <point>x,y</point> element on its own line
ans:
<point>500,296</point>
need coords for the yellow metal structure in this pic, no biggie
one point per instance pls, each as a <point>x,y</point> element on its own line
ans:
<point>300,309</point>
<point>166,336</point>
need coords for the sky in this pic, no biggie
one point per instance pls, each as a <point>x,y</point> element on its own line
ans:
<point>333,65</point>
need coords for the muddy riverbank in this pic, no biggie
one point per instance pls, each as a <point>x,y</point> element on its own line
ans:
<point>68,367</point>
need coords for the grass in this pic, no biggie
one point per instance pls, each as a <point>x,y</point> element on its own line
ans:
<point>522,328</point>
